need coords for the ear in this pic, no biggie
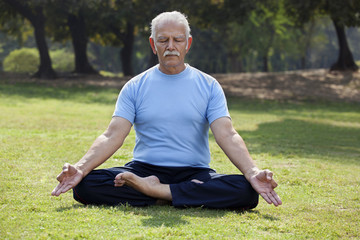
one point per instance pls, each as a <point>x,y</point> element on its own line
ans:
<point>189,44</point>
<point>152,44</point>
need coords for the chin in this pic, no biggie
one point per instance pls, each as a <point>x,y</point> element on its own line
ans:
<point>172,64</point>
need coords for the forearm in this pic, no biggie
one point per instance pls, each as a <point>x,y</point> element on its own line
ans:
<point>102,149</point>
<point>235,148</point>
<point>105,145</point>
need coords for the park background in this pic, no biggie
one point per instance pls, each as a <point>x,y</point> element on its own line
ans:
<point>111,37</point>
<point>289,70</point>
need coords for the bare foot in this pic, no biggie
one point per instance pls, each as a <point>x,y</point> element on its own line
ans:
<point>149,186</point>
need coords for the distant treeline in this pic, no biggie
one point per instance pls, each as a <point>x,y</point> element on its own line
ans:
<point>229,35</point>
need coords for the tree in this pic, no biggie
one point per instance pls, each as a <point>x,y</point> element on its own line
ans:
<point>344,13</point>
<point>214,21</point>
<point>33,11</point>
<point>123,20</point>
<point>69,18</point>
<point>119,22</point>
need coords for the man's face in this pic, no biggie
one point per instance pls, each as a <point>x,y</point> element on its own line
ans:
<point>170,46</point>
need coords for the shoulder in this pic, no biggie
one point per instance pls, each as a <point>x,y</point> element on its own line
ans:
<point>135,83</point>
<point>210,80</point>
<point>142,76</point>
<point>205,79</point>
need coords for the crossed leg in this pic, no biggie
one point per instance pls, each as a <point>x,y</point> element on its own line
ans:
<point>114,186</point>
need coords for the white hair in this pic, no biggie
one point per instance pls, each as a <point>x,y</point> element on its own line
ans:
<point>173,16</point>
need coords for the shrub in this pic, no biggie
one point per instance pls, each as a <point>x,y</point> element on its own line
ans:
<point>62,60</point>
<point>24,60</point>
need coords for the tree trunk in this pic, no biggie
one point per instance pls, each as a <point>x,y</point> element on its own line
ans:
<point>265,63</point>
<point>127,50</point>
<point>36,17</point>
<point>235,64</point>
<point>265,56</point>
<point>307,43</point>
<point>345,60</point>
<point>45,69</point>
<point>80,41</point>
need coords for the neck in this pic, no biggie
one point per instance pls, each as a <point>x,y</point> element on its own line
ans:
<point>170,70</point>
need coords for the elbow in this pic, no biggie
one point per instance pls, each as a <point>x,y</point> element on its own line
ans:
<point>226,136</point>
<point>112,138</point>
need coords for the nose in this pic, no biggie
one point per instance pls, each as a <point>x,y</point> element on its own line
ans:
<point>171,46</point>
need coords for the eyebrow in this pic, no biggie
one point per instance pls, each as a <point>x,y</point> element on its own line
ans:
<point>177,37</point>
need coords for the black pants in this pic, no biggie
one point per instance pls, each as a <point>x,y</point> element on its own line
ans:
<point>217,191</point>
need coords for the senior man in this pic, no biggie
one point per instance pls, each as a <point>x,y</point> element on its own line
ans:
<point>171,106</point>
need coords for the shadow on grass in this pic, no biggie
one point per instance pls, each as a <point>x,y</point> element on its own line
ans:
<point>292,137</point>
<point>290,108</point>
<point>167,216</point>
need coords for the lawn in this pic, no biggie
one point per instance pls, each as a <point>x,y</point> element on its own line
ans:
<point>312,147</point>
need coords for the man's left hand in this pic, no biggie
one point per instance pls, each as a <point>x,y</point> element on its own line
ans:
<point>263,183</point>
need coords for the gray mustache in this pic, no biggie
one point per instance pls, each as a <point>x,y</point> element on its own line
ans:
<point>171,53</point>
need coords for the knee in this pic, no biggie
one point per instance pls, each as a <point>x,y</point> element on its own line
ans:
<point>253,196</point>
<point>249,197</point>
<point>79,193</point>
<point>253,199</point>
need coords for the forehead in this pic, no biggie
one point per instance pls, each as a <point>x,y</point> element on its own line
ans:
<point>170,28</point>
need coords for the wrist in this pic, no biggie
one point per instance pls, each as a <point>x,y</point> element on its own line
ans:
<point>80,169</point>
<point>251,172</point>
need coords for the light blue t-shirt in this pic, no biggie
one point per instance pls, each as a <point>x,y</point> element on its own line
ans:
<point>171,115</point>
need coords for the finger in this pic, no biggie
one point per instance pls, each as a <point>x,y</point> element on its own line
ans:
<point>265,197</point>
<point>277,198</point>
<point>56,189</point>
<point>63,189</point>
<point>273,184</point>
<point>269,175</point>
<point>66,167</point>
<point>60,177</point>
<point>272,198</point>
<point>66,188</point>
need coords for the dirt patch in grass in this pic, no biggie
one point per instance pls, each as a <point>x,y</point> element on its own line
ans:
<point>294,85</point>
<point>291,85</point>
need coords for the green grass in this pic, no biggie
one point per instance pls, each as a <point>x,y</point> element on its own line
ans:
<point>312,147</point>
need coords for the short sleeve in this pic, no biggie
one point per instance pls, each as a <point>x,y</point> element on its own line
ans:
<point>217,106</point>
<point>125,104</point>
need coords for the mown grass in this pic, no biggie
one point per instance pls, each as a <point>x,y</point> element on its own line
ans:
<point>313,148</point>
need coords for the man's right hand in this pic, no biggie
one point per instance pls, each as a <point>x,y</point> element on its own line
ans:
<point>68,179</point>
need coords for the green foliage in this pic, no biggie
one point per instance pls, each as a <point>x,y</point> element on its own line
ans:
<point>110,74</point>
<point>229,35</point>
<point>313,149</point>
<point>24,60</point>
<point>62,60</point>
<point>344,12</point>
